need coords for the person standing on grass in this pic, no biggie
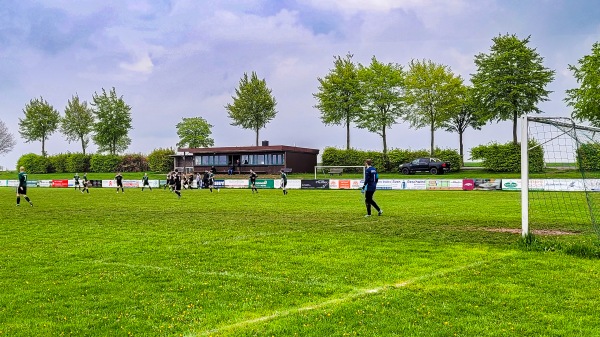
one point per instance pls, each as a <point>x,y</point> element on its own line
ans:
<point>205,179</point>
<point>177,183</point>
<point>119,180</point>
<point>168,180</point>
<point>283,181</point>
<point>211,181</point>
<point>85,184</point>
<point>76,178</point>
<point>198,180</point>
<point>253,177</point>
<point>371,179</point>
<point>22,188</point>
<point>145,182</point>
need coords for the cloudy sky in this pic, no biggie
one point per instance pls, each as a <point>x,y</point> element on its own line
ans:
<point>171,59</point>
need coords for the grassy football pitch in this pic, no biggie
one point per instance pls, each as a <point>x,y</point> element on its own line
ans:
<point>233,263</point>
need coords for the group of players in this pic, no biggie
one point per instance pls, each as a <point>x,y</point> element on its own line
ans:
<point>175,181</point>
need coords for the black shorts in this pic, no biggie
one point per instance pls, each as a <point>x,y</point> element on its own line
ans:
<point>119,184</point>
<point>22,191</point>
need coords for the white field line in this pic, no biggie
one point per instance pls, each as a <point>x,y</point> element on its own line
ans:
<point>345,298</point>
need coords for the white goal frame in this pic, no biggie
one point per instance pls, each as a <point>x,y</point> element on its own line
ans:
<point>323,167</point>
<point>525,155</point>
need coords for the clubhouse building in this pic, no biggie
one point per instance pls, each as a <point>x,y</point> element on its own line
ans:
<point>266,159</point>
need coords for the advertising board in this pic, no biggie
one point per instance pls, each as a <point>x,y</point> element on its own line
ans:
<point>446,184</point>
<point>314,183</point>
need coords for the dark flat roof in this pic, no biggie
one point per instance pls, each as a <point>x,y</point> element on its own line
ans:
<point>247,149</point>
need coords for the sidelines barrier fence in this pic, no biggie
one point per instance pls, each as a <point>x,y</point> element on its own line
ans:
<point>349,184</point>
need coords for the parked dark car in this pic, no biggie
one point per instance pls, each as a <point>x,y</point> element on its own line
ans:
<point>431,165</point>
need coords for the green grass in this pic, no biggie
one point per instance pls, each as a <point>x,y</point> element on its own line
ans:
<point>234,263</point>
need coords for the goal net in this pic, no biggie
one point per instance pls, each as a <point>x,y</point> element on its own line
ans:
<point>560,167</point>
<point>356,172</point>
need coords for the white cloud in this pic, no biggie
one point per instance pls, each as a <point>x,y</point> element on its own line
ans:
<point>143,65</point>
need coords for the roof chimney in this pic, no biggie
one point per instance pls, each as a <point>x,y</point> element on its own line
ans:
<point>265,143</point>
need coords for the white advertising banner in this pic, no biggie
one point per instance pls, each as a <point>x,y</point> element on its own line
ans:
<point>446,184</point>
<point>385,184</point>
<point>511,184</point>
<point>12,183</point>
<point>291,184</point>
<point>563,185</point>
<point>592,185</point>
<point>45,183</point>
<point>236,183</point>
<point>414,184</point>
<point>152,183</point>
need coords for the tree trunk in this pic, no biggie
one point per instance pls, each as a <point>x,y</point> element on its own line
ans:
<point>432,149</point>
<point>348,135</point>
<point>386,163</point>
<point>257,136</point>
<point>43,146</point>
<point>460,148</point>
<point>83,145</point>
<point>515,118</point>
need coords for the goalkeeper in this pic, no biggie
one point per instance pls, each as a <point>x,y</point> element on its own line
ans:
<point>371,179</point>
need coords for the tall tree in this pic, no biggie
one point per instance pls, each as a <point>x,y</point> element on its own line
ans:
<point>511,80</point>
<point>41,120</point>
<point>194,132</point>
<point>113,122</point>
<point>78,121</point>
<point>462,117</point>
<point>383,86</point>
<point>585,100</point>
<point>253,104</point>
<point>7,140</point>
<point>432,93</point>
<point>340,97</point>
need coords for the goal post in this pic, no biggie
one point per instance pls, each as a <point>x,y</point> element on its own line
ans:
<point>333,171</point>
<point>568,150</point>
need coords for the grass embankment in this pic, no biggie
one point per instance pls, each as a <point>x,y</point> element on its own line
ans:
<point>233,263</point>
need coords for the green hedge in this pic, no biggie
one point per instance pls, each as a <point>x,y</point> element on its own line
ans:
<point>34,163</point>
<point>78,162</point>
<point>104,163</point>
<point>588,157</point>
<point>159,160</point>
<point>507,157</point>
<point>133,163</point>
<point>337,157</point>
<point>58,163</point>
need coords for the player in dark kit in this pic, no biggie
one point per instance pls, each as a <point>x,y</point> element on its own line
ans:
<point>145,182</point>
<point>283,181</point>
<point>85,184</point>
<point>167,183</point>
<point>76,178</point>
<point>177,183</point>
<point>371,179</point>
<point>22,188</point>
<point>211,181</point>
<point>119,180</point>
<point>253,181</point>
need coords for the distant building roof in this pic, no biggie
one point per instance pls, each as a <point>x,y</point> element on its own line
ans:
<point>248,149</point>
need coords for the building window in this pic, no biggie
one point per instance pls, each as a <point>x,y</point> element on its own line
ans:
<point>207,160</point>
